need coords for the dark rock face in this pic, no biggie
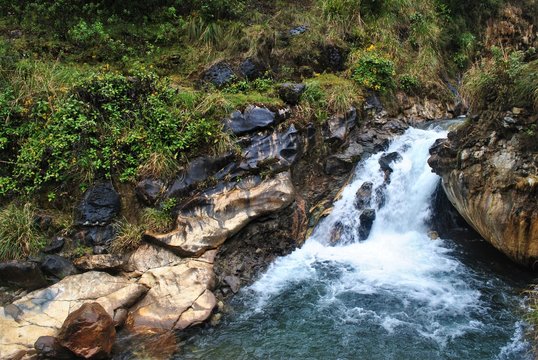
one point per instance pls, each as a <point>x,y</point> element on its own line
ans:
<point>344,162</point>
<point>21,274</point>
<point>148,191</point>
<point>48,347</point>
<point>200,170</point>
<point>99,206</point>
<point>364,195</point>
<point>367,219</point>
<point>57,266</point>
<point>88,332</point>
<point>55,246</point>
<point>386,160</point>
<point>332,58</point>
<point>250,69</point>
<point>219,75</point>
<point>338,127</point>
<point>96,235</point>
<point>276,151</point>
<point>291,93</point>
<point>253,118</point>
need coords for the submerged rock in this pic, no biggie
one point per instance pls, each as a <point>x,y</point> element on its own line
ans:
<point>217,214</point>
<point>88,332</point>
<point>363,197</point>
<point>386,160</point>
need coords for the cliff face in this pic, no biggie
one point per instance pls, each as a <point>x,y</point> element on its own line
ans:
<point>489,170</point>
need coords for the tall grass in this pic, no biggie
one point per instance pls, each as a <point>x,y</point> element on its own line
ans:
<point>19,235</point>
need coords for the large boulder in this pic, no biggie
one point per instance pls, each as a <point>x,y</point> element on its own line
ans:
<point>217,214</point>
<point>180,296</point>
<point>48,347</point>
<point>22,274</point>
<point>489,171</point>
<point>219,74</point>
<point>100,205</point>
<point>88,332</point>
<point>367,219</point>
<point>252,119</point>
<point>42,312</point>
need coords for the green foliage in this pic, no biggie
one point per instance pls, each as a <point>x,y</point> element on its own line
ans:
<point>19,235</point>
<point>409,83</point>
<point>244,86</point>
<point>85,34</point>
<point>374,71</point>
<point>503,81</point>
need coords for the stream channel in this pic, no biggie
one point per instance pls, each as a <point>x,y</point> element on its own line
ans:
<point>396,295</point>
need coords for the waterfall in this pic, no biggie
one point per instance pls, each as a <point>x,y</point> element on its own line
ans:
<point>385,292</point>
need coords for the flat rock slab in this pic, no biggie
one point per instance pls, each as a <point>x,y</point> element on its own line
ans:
<point>217,215</point>
<point>179,297</point>
<point>42,312</point>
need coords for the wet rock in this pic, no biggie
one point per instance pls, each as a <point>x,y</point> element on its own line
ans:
<point>380,197</point>
<point>100,205</point>
<point>250,69</point>
<point>22,274</point>
<point>219,75</point>
<point>338,127</point>
<point>179,297</point>
<point>363,197</point>
<point>148,191</point>
<point>291,93</point>
<point>102,262</point>
<point>252,119</point>
<point>55,246</point>
<point>198,171</point>
<point>367,219</point>
<point>433,235</point>
<point>276,151</point>
<point>343,163</point>
<point>336,233</point>
<point>88,332</point>
<point>43,312</point>
<point>215,215</point>
<point>57,266</point>
<point>49,348</point>
<point>233,282</point>
<point>386,160</point>
<point>298,30</point>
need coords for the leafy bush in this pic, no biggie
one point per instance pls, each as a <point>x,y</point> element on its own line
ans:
<point>374,72</point>
<point>409,83</point>
<point>84,34</point>
<point>19,235</point>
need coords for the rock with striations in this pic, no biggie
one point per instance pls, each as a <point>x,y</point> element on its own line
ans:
<point>88,332</point>
<point>339,126</point>
<point>57,266</point>
<point>215,215</point>
<point>276,151</point>
<point>22,274</point>
<point>103,262</point>
<point>252,119</point>
<point>100,205</point>
<point>291,93</point>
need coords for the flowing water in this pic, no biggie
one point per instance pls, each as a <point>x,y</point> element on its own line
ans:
<point>396,295</point>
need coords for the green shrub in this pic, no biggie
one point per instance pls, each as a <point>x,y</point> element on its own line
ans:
<point>19,235</point>
<point>84,34</point>
<point>409,83</point>
<point>374,71</point>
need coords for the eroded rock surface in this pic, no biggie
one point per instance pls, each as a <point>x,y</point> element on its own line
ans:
<point>42,312</point>
<point>217,214</point>
<point>490,173</point>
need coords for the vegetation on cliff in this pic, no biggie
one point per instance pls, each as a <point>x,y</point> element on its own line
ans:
<point>109,90</point>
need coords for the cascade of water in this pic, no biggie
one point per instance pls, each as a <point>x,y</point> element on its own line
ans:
<point>389,286</point>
